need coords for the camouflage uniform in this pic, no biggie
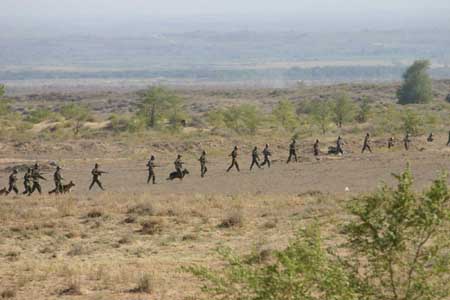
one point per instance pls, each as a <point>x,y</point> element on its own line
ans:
<point>339,144</point>
<point>27,182</point>
<point>406,141</point>
<point>13,183</point>
<point>179,165</point>
<point>203,168</point>
<point>366,145</point>
<point>267,154</point>
<point>430,138</point>
<point>390,142</point>
<point>292,151</point>
<point>234,163</point>
<point>255,158</point>
<point>36,176</point>
<point>151,170</point>
<point>96,173</point>
<point>316,148</point>
<point>57,178</point>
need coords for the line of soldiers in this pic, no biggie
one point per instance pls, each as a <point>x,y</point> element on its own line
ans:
<point>33,175</point>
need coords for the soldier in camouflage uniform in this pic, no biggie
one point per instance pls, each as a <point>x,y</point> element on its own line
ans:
<point>234,154</point>
<point>390,142</point>
<point>339,146</point>
<point>178,163</point>
<point>13,183</point>
<point>35,177</point>
<point>255,158</point>
<point>292,151</point>
<point>267,154</point>
<point>96,173</point>
<point>151,170</point>
<point>27,182</point>
<point>430,138</point>
<point>407,142</point>
<point>57,178</point>
<point>202,160</point>
<point>366,145</point>
<point>316,148</point>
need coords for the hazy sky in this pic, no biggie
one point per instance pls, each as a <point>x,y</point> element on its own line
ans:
<point>111,16</point>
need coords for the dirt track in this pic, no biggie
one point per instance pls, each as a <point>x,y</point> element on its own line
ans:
<point>358,172</point>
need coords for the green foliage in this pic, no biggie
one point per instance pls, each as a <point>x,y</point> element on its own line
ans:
<point>5,108</point>
<point>76,113</point>
<point>343,110</point>
<point>120,123</point>
<point>395,248</point>
<point>388,119</point>
<point>39,115</point>
<point>363,111</point>
<point>448,98</point>
<point>417,86</point>
<point>322,112</point>
<point>285,115</point>
<point>412,122</point>
<point>401,240</point>
<point>243,119</point>
<point>159,105</point>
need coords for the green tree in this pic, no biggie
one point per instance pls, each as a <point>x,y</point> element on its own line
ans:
<point>4,104</point>
<point>243,119</point>
<point>343,110</point>
<point>285,114</point>
<point>76,113</point>
<point>395,247</point>
<point>417,86</point>
<point>412,122</point>
<point>321,112</point>
<point>160,104</point>
<point>363,110</point>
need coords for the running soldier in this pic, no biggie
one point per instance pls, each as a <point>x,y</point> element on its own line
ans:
<point>430,138</point>
<point>57,178</point>
<point>35,177</point>
<point>406,141</point>
<point>27,182</point>
<point>96,173</point>
<point>267,154</point>
<point>178,163</point>
<point>339,144</point>
<point>13,183</point>
<point>390,142</point>
<point>366,145</point>
<point>255,158</point>
<point>292,151</point>
<point>203,168</point>
<point>234,154</point>
<point>151,170</point>
<point>316,148</point>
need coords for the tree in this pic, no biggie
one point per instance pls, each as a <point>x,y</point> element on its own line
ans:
<point>343,110</point>
<point>395,247</point>
<point>243,119</point>
<point>158,104</point>
<point>412,122</point>
<point>77,113</point>
<point>4,104</point>
<point>322,114</point>
<point>363,111</point>
<point>285,114</point>
<point>417,86</point>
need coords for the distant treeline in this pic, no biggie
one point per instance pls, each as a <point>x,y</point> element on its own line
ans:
<point>331,73</point>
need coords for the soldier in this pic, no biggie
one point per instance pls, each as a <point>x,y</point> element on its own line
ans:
<point>57,178</point>
<point>255,158</point>
<point>339,144</point>
<point>366,145</point>
<point>406,141</point>
<point>203,168</point>
<point>430,138</point>
<point>151,170</point>
<point>234,163</point>
<point>13,183</point>
<point>390,142</point>
<point>179,165</point>
<point>316,148</point>
<point>27,182</point>
<point>35,177</point>
<point>267,154</point>
<point>292,151</point>
<point>96,173</point>
<point>448,143</point>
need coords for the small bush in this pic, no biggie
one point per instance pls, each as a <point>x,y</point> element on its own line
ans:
<point>235,219</point>
<point>142,209</point>
<point>8,293</point>
<point>151,227</point>
<point>73,288</point>
<point>94,214</point>
<point>144,284</point>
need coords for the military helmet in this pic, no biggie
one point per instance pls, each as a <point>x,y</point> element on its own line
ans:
<point>152,157</point>
<point>96,165</point>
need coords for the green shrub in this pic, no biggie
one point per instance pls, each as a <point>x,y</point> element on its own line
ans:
<point>417,86</point>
